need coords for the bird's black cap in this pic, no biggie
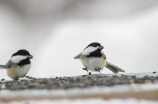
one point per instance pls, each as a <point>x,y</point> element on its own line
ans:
<point>22,52</point>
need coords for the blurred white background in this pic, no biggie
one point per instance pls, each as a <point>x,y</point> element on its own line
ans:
<point>54,31</point>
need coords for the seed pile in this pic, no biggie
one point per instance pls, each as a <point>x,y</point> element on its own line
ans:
<point>75,82</point>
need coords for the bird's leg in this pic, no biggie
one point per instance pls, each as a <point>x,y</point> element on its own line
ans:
<point>89,73</point>
<point>16,79</point>
<point>98,70</point>
<point>85,69</point>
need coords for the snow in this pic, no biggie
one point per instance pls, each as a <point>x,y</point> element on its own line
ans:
<point>84,91</point>
<point>138,75</point>
<point>84,101</point>
<point>80,91</point>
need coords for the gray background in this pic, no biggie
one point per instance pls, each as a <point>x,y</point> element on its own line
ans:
<point>54,31</point>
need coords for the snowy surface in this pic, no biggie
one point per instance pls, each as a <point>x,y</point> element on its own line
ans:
<point>79,91</point>
<point>84,101</point>
<point>85,91</point>
<point>138,75</point>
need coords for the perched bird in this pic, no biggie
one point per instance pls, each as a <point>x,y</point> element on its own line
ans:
<point>93,59</point>
<point>19,64</point>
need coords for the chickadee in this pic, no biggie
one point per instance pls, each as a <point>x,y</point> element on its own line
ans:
<point>93,59</point>
<point>19,64</point>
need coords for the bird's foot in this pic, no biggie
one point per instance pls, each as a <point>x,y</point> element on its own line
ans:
<point>15,80</point>
<point>89,73</point>
<point>98,70</point>
<point>85,69</point>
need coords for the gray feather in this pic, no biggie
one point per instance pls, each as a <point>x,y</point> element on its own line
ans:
<point>2,67</point>
<point>78,56</point>
<point>114,68</point>
<point>8,64</point>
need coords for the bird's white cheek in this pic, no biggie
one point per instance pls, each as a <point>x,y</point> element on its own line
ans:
<point>17,59</point>
<point>88,50</point>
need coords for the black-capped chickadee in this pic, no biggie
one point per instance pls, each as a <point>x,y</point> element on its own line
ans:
<point>19,64</point>
<point>93,59</point>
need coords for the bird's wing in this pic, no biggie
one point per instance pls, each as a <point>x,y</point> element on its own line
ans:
<point>78,56</point>
<point>8,64</point>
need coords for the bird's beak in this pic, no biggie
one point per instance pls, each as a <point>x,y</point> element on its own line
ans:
<point>101,47</point>
<point>30,57</point>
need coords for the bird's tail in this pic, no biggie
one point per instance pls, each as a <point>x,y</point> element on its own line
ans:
<point>2,67</point>
<point>114,68</point>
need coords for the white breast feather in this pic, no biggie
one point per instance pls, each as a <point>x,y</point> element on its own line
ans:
<point>22,71</point>
<point>92,63</point>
